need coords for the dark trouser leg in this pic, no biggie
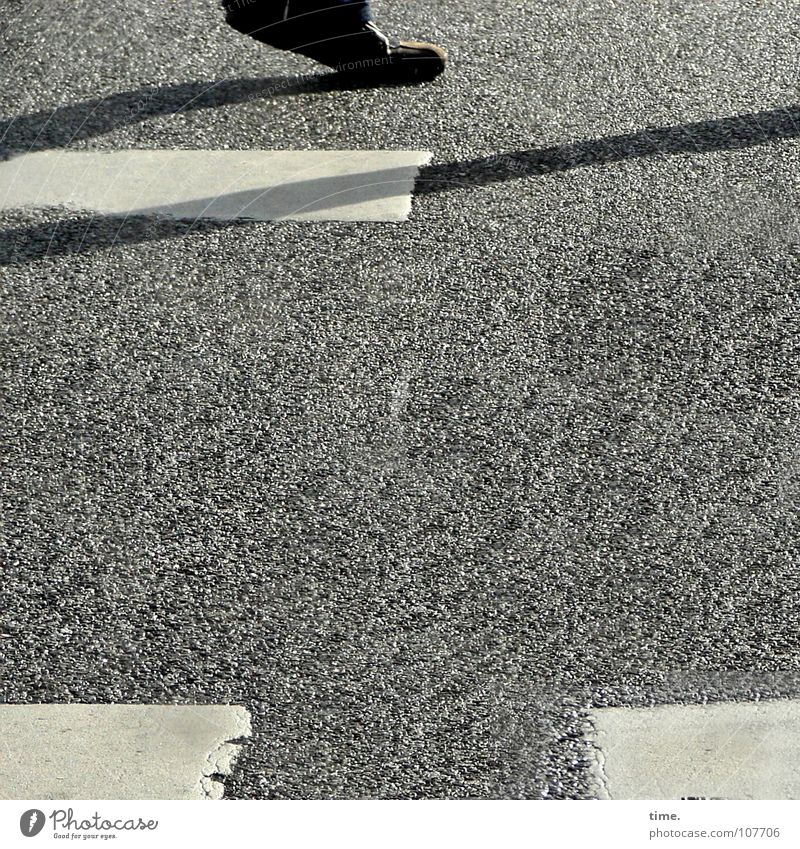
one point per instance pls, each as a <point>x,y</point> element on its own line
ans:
<point>329,31</point>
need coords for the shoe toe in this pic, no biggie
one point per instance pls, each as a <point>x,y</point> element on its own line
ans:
<point>418,59</point>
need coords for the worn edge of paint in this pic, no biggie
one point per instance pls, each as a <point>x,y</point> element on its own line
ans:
<point>598,778</point>
<point>221,759</point>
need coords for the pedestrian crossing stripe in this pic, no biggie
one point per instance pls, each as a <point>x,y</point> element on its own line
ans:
<point>118,751</point>
<point>258,185</point>
<point>730,750</point>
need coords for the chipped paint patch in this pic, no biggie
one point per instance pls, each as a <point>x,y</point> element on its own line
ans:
<point>119,751</point>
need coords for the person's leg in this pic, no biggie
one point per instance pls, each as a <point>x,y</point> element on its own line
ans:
<point>338,33</point>
<point>315,28</point>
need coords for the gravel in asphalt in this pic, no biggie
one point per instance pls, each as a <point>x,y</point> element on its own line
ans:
<point>418,495</point>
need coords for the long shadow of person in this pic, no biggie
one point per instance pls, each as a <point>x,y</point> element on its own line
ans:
<point>721,134</point>
<point>57,128</point>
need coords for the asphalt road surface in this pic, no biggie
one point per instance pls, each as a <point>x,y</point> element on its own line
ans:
<point>417,494</point>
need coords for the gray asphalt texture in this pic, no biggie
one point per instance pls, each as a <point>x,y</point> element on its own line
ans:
<point>421,494</point>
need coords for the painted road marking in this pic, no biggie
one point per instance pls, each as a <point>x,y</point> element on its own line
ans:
<point>118,751</point>
<point>731,750</point>
<point>259,185</point>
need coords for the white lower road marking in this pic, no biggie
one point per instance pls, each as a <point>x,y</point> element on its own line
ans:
<point>731,750</point>
<point>260,185</point>
<point>117,751</point>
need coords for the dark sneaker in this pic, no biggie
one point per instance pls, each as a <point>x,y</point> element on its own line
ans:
<point>337,36</point>
<point>371,57</point>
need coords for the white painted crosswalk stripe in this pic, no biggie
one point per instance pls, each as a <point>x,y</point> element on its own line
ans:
<point>729,750</point>
<point>75,751</point>
<point>260,185</point>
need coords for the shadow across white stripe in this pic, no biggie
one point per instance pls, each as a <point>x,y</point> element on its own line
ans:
<point>259,185</point>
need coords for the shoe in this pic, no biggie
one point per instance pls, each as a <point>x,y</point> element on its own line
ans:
<point>338,37</point>
<point>369,56</point>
